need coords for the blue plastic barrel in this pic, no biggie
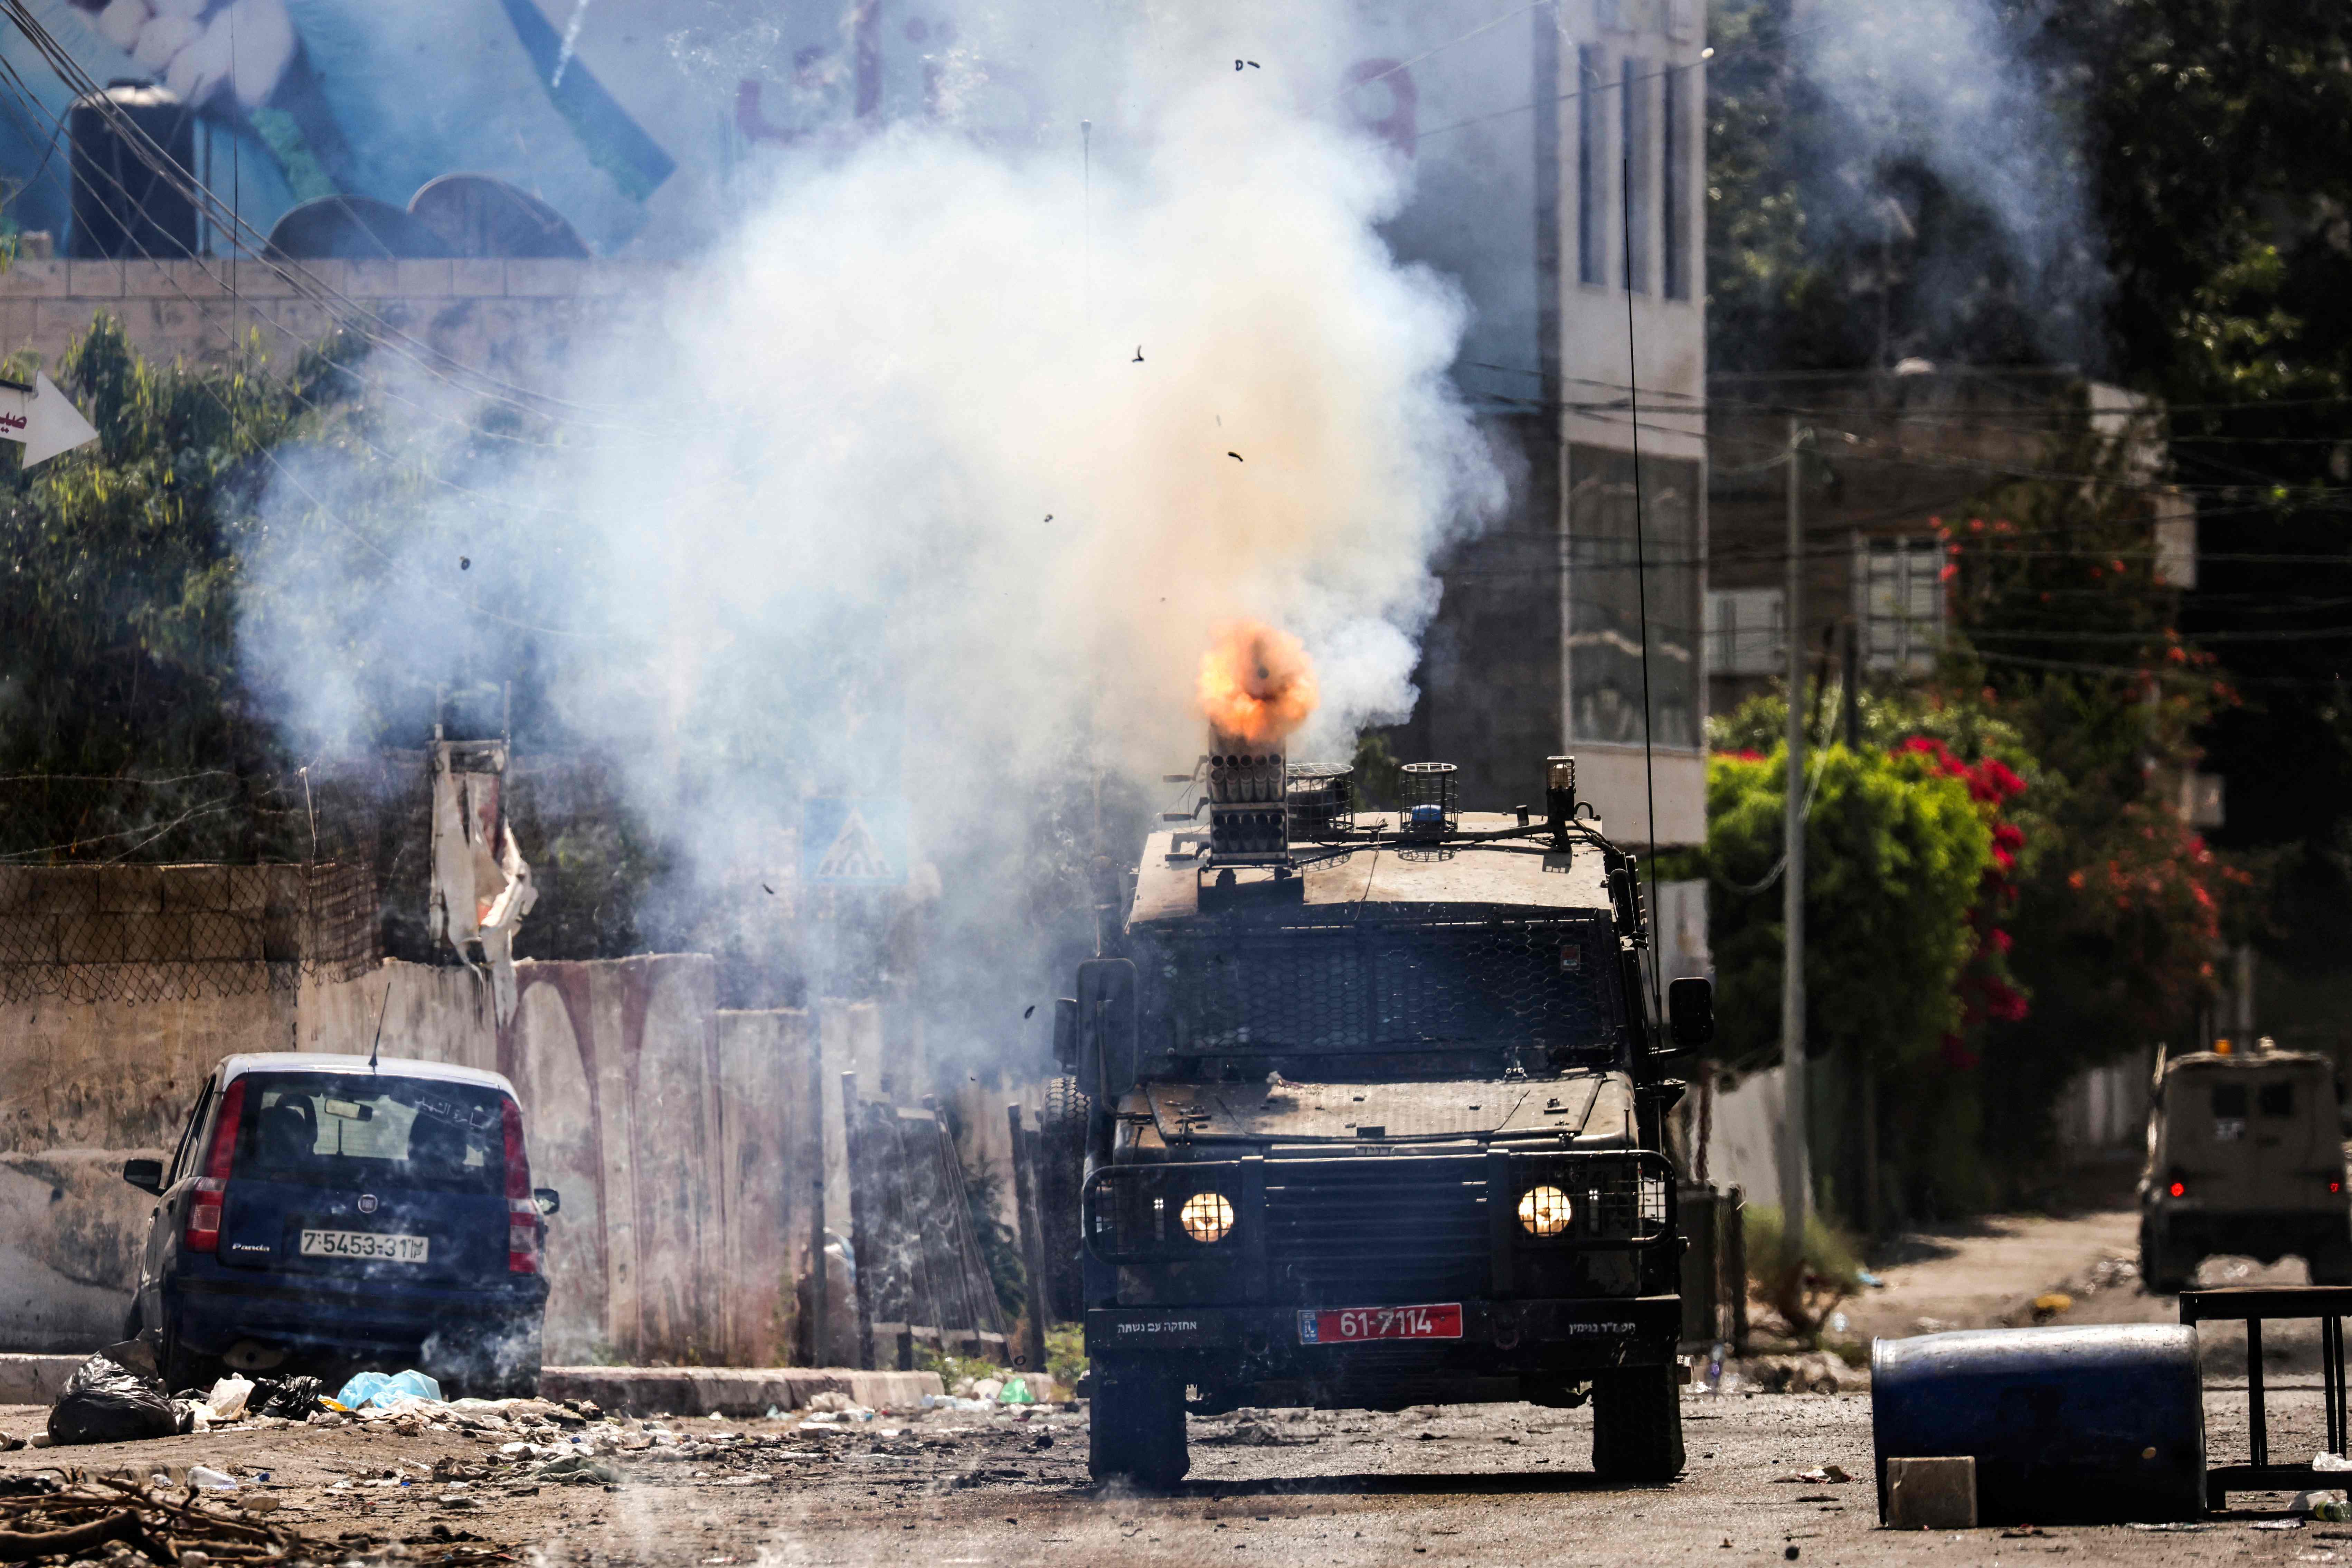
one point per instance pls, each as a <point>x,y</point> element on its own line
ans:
<point>2066,1424</point>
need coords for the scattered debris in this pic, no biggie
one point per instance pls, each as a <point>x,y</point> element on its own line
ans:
<point>2276,1524</point>
<point>1236,456</point>
<point>2050,1304</point>
<point>107,1400</point>
<point>79,1520</point>
<point>1247,1435</point>
<point>1818,1371</point>
<point>376,1388</point>
<point>1825,1474</point>
<point>573,1468</point>
<point>2109,1272</point>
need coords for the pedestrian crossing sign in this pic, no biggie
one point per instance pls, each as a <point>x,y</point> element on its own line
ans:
<point>854,841</point>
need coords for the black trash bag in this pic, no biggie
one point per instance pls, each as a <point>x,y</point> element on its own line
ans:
<point>107,1401</point>
<point>291,1397</point>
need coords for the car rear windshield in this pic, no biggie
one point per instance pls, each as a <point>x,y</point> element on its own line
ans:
<point>369,1130</point>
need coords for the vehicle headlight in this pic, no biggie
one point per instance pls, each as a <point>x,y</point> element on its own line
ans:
<point>1206,1217</point>
<point>1544,1211</point>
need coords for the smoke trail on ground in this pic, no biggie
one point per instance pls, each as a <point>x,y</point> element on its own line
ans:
<point>938,474</point>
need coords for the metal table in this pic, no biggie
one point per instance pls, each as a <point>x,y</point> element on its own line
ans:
<point>2253,1305</point>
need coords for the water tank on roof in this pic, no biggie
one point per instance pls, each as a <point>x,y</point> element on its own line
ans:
<point>482,216</point>
<point>353,229</point>
<point>124,208</point>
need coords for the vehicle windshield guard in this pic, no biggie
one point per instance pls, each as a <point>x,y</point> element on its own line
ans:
<point>1418,994</point>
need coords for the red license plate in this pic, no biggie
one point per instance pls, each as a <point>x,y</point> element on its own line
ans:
<point>1352,1325</point>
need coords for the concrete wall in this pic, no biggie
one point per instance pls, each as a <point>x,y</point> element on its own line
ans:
<point>2103,1113</point>
<point>514,318</point>
<point>1743,1136</point>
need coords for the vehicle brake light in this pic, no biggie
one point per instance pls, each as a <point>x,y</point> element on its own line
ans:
<point>2179,1189</point>
<point>2335,1186</point>
<point>522,1213</point>
<point>202,1233</point>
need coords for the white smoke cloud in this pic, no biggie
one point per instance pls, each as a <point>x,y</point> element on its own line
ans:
<point>892,436</point>
<point>1953,85</point>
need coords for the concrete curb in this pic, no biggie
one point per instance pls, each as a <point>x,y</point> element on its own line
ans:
<point>680,1390</point>
<point>731,1390</point>
<point>35,1379</point>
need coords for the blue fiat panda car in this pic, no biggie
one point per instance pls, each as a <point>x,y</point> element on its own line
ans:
<point>330,1212</point>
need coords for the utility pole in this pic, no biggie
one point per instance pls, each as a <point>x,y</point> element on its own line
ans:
<point>1869,1066</point>
<point>1796,1181</point>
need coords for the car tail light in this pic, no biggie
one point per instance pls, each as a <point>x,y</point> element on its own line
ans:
<point>522,1213</point>
<point>2335,1186</point>
<point>202,1233</point>
<point>2179,1189</point>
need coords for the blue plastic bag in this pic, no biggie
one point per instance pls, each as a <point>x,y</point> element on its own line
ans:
<point>368,1388</point>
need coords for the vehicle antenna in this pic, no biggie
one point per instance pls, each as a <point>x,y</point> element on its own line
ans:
<point>377,1044</point>
<point>1640,577</point>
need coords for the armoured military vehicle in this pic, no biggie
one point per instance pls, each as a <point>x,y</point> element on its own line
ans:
<point>2245,1156</point>
<point>1376,1120</point>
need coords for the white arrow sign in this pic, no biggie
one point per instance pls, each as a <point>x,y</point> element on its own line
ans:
<point>39,418</point>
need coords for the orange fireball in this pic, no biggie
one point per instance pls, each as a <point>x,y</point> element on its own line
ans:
<point>1257,684</point>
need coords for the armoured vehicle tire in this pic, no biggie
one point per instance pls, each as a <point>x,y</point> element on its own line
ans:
<point>2161,1273</point>
<point>1637,1424</point>
<point>1137,1434</point>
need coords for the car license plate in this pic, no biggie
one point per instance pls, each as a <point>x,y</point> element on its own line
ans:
<point>1352,1325</point>
<point>366,1244</point>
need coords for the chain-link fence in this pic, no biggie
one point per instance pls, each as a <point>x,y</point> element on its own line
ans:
<point>163,934</point>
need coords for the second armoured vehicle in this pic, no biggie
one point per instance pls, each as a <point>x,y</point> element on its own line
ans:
<point>2245,1156</point>
<point>1376,1121</point>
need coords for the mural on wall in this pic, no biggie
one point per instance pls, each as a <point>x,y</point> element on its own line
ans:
<point>635,120</point>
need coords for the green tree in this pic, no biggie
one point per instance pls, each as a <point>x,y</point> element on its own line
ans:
<point>2207,135</point>
<point>123,724</point>
<point>1896,850</point>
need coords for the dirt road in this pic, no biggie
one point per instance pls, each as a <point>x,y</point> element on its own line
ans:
<point>1498,1484</point>
<point>1489,1485</point>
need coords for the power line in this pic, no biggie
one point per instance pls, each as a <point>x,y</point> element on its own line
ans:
<point>371,325</point>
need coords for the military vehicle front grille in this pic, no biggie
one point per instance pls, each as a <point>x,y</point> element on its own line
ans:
<point>1372,1230</point>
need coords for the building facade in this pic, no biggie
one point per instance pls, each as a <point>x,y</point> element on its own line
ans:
<point>1576,227</point>
<point>1888,455</point>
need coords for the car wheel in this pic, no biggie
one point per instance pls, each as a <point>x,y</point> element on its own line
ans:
<point>1637,1424</point>
<point>1136,1433</point>
<point>182,1369</point>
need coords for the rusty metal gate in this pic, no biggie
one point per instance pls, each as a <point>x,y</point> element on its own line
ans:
<point>920,1276</point>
